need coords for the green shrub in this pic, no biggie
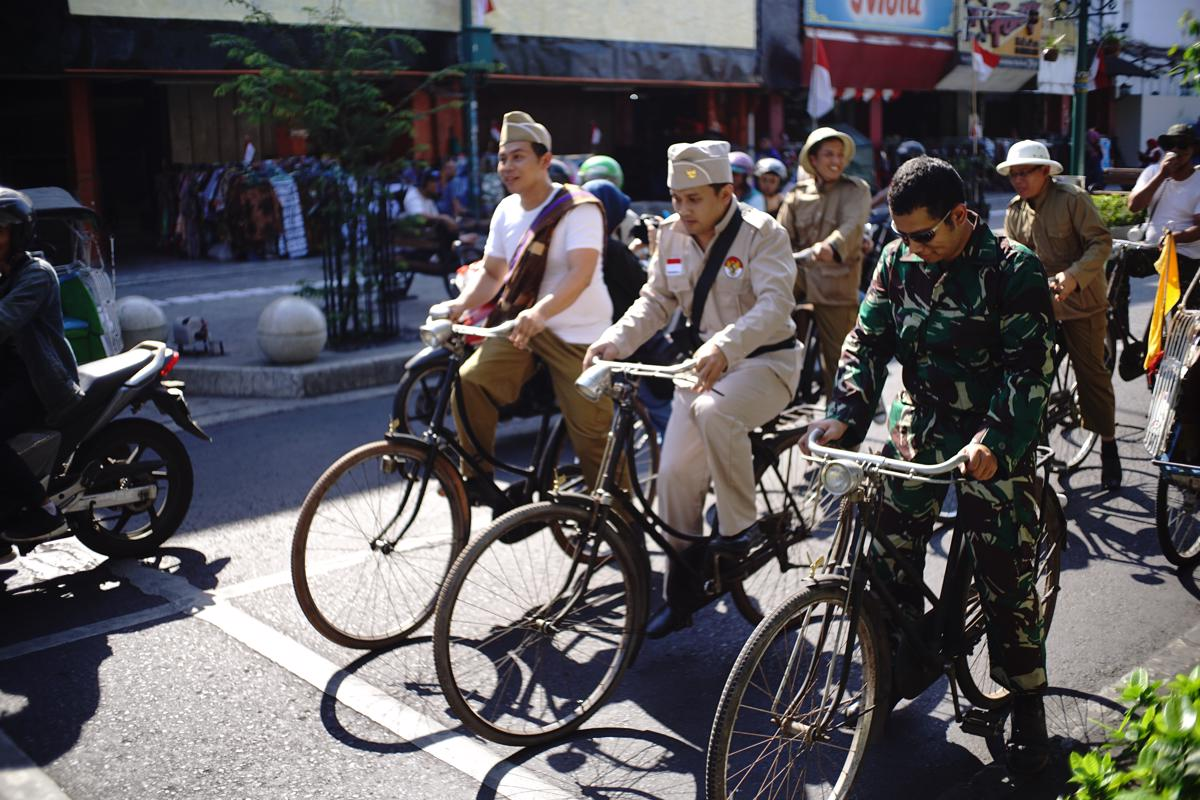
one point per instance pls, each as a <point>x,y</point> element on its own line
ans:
<point>1154,754</point>
<point>1114,212</point>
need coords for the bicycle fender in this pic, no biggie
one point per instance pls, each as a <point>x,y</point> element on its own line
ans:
<point>425,356</point>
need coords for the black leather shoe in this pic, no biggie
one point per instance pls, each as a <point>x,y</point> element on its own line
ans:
<point>1110,469</point>
<point>736,546</point>
<point>1028,749</point>
<point>667,620</point>
<point>35,525</point>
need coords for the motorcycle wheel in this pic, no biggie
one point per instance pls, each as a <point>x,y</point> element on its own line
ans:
<point>136,530</point>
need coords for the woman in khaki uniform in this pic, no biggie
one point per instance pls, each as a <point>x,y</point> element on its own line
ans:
<point>826,211</point>
<point>1059,222</point>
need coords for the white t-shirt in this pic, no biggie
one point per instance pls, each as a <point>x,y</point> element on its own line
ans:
<point>582,228</point>
<point>1175,205</point>
<point>417,204</point>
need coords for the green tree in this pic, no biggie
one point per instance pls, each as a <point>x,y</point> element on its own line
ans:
<point>1188,68</point>
<point>330,77</point>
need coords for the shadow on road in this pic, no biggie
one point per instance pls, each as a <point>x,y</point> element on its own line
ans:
<point>50,658</point>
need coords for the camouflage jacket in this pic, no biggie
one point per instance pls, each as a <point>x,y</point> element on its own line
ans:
<point>974,337</point>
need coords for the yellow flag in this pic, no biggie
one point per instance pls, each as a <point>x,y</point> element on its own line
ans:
<point>1164,299</point>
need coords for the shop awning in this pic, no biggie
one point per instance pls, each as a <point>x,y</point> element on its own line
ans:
<point>884,61</point>
<point>1003,78</point>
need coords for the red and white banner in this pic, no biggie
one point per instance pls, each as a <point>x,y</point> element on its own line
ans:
<point>983,61</point>
<point>820,83</point>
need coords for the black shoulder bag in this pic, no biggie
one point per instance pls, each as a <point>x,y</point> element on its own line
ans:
<point>686,334</point>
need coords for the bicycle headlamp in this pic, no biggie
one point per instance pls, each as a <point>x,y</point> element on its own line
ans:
<point>841,477</point>
<point>435,333</point>
<point>594,382</point>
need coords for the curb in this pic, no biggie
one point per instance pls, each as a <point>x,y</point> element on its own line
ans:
<point>377,368</point>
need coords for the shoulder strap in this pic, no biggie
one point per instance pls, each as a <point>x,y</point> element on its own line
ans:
<point>716,257</point>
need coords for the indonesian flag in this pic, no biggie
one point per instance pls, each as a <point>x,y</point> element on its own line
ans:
<point>983,61</point>
<point>1097,75</point>
<point>482,9</point>
<point>820,83</point>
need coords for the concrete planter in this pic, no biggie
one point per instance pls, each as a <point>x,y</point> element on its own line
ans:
<point>291,330</point>
<point>141,319</point>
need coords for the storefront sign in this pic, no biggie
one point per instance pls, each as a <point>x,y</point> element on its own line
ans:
<point>1003,27</point>
<point>922,17</point>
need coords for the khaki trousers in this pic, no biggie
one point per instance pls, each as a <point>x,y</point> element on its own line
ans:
<point>1085,346</point>
<point>708,440</point>
<point>493,376</point>
<point>834,323</point>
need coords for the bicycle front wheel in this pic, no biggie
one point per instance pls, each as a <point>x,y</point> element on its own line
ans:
<point>531,636</point>
<point>1065,434</point>
<point>1177,509</point>
<point>372,543</point>
<point>972,669</point>
<point>798,515</point>
<point>800,704</point>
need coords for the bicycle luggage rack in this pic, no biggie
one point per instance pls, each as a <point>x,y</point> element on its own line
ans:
<point>1181,350</point>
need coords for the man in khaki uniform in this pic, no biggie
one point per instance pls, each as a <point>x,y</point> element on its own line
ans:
<point>541,257</point>
<point>747,363</point>
<point>826,211</point>
<point>1059,222</point>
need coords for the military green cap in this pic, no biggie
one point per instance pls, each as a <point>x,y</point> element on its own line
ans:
<point>520,127</point>
<point>692,164</point>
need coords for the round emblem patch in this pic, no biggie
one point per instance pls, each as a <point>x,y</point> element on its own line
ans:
<point>733,266</point>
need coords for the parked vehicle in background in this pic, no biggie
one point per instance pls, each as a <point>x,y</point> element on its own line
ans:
<point>69,235</point>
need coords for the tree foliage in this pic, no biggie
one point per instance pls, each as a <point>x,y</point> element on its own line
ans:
<point>1188,68</point>
<point>331,77</point>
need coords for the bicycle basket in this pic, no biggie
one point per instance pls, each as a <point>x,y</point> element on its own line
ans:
<point>1180,352</point>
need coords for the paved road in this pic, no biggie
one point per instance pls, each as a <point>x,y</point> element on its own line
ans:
<point>195,675</point>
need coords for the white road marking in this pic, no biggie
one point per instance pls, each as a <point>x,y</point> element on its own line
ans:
<point>253,291</point>
<point>461,752</point>
<point>21,779</point>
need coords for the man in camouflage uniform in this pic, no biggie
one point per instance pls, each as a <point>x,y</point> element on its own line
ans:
<point>970,322</point>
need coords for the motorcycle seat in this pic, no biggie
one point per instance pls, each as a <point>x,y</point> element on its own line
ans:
<point>104,376</point>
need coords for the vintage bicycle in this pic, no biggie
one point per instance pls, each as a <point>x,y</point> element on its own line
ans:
<point>816,680</point>
<point>531,636</point>
<point>381,527</point>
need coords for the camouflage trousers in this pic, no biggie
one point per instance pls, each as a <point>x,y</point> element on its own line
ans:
<point>998,519</point>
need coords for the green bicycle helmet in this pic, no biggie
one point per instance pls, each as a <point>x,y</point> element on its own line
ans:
<point>602,168</point>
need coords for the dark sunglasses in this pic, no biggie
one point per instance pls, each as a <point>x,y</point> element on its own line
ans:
<point>921,237</point>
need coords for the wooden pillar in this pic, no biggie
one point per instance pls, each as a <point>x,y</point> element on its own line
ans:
<point>422,130</point>
<point>876,118</point>
<point>83,141</point>
<point>448,122</point>
<point>775,118</point>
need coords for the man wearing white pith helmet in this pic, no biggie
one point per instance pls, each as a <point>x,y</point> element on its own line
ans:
<point>1059,222</point>
<point>825,215</point>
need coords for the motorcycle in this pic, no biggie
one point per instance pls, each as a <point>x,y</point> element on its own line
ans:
<point>123,483</point>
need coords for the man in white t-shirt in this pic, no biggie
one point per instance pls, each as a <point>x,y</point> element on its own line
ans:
<point>422,200</point>
<point>542,256</point>
<point>1170,193</point>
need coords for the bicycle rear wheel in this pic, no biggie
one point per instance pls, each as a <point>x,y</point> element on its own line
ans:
<point>371,547</point>
<point>801,703</point>
<point>973,667</point>
<point>1177,510</point>
<point>1065,434</point>
<point>799,517</point>
<point>530,638</point>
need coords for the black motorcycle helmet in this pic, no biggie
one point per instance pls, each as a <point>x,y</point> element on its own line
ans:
<point>16,212</point>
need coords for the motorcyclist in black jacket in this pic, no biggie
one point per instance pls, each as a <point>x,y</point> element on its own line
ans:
<point>39,382</point>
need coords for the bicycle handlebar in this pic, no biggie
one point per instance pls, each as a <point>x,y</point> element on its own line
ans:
<point>890,464</point>
<point>436,332</point>
<point>597,378</point>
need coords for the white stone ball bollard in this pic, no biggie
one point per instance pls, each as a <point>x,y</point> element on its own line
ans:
<point>141,319</point>
<point>291,330</point>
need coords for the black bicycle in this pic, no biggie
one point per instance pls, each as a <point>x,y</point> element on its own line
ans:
<point>541,615</point>
<point>816,680</point>
<point>381,527</point>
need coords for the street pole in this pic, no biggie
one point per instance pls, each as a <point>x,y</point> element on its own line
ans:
<point>472,109</point>
<point>1079,99</point>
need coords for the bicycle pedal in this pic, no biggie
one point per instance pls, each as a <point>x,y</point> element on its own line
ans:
<point>985,724</point>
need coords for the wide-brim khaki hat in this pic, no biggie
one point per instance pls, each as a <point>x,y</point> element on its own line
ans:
<point>1028,153</point>
<point>820,135</point>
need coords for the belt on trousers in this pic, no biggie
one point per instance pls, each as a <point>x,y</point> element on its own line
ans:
<point>786,344</point>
